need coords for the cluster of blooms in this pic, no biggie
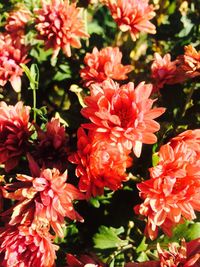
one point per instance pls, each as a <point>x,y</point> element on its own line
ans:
<point>42,200</point>
<point>60,26</point>
<point>185,255</point>
<point>164,71</point>
<point>122,119</point>
<point>132,16</point>
<point>173,191</point>
<point>13,51</point>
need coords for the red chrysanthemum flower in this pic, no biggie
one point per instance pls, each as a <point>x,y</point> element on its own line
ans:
<point>14,133</point>
<point>104,64</point>
<point>101,163</point>
<point>17,20</point>
<point>12,54</point>
<point>83,261</point>
<point>133,16</point>
<point>51,148</point>
<point>164,71</point>
<point>25,246</point>
<point>173,191</point>
<point>123,113</point>
<point>47,197</point>
<point>180,256</point>
<point>60,26</point>
<point>189,63</point>
<point>185,255</point>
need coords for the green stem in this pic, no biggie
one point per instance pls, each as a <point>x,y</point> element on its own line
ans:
<point>34,105</point>
<point>189,96</point>
<point>119,251</point>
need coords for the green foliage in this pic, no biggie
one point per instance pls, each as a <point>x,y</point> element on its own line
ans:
<point>107,238</point>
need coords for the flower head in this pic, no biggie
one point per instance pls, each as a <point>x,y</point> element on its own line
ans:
<point>101,163</point>
<point>185,255</point>
<point>181,255</point>
<point>104,64</point>
<point>47,197</point>
<point>133,16</point>
<point>25,246</point>
<point>12,54</point>
<point>14,133</point>
<point>189,63</point>
<point>164,71</point>
<point>60,26</point>
<point>173,191</point>
<point>123,113</point>
<point>17,20</point>
<point>51,149</point>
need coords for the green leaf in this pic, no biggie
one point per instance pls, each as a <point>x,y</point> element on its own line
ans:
<point>41,113</point>
<point>107,238</point>
<point>188,230</point>
<point>62,73</point>
<point>142,246</point>
<point>32,74</point>
<point>187,27</point>
<point>142,257</point>
<point>94,202</point>
<point>94,27</point>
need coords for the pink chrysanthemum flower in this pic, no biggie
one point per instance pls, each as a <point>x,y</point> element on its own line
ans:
<point>101,163</point>
<point>14,133</point>
<point>132,16</point>
<point>173,191</point>
<point>123,113</point>
<point>189,63</point>
<point>51,148</point>
<point>25,246</point>
<point>164,71</point>
<point>60,26</point>
<point>104,64</point>
<point>47,197</point>
<point>12,54</point>
<point>17,20</point>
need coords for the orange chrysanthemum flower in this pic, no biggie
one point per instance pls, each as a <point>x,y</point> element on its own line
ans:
<point>104,64</point>
<point>189,63</point>
<point>51,148</point>
<point>164,71</point>
<point>12,54</point>
<point>123,113</point>
<point>25,246</point>
<point>47,197</point>
<point>173,191</point>
<point>60,26</point>
<point>133,16</point>
<point>14,133</point>
<point>101,163</point>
